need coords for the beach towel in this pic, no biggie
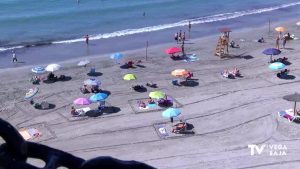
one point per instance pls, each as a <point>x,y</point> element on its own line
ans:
<point>29,133</point>
<point>152,105</point>
<point>191,58</point>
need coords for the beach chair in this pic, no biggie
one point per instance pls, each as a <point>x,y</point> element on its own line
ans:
<point>286,115</point>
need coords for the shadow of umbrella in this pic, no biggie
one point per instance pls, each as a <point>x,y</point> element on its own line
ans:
<point>293,98</point>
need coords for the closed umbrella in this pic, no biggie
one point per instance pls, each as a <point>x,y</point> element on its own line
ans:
<point>293,98</point>
<point>171,113</point>
<point>271,52</point>
<point>157,95</point>
<point>92,82</point>
<point>276,66</point>
<point>172,50</point>
<point>82,101</point>
<point>98,97</point>
<point>129,77</point>
<point>53,67</point>
<point>31,92</point>
<point>83,63</point>
<point>38,70</point>
<point>180,72</point>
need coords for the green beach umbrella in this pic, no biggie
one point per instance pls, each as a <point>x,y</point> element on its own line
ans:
<point>157,95</point>
<point>129,77</point>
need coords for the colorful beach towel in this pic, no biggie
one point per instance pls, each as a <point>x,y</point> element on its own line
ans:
<point>30,133</point>
<point>191,58</point>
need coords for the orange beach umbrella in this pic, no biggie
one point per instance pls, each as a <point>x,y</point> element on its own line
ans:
<point>180,72</point>
<point>280,29</point>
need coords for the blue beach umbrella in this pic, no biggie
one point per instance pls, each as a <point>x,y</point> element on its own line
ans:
<point>92,82</point>
<point>38,70</point>
<point>98,97</point>
<point>171,112</point>
<point>271,52</point>
<point>116,56</point>
<point>276,66</point>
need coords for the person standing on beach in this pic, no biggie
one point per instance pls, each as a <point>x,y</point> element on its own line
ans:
<point>180,36</point>
<point>190,28</point>
<point>176,37</point>
<point>14,56</point>
<point>182,48</point>
<point>183,37</point>
<point>277,42</point>
<point>87,39</point>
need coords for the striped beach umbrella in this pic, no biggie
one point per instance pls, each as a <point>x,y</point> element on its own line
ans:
<point>92,82</point>
<point>38,70</point>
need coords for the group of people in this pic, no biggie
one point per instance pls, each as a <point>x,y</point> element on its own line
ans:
<point>235,73</point>
<point>284,39</point>
<point>179,37</point>
<point>89,89</point>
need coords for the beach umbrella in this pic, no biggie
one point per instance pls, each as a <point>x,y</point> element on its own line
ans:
<point>98,97</point>
<point>82,101</point>
<point>53,67</point>
<point>276,66</point>
<point>298,23</point>
<point>116,56</point>
<point>31,92</point>
<point>83,63</point>
<point>280,29</point>
<point>224,30</point>
<point>92,82</point>
<point>172,50</point>
<point>129,77</point>
<point>171,113</point>
<point>157,95</point>
<point>38,70</point>
<point>293,98</point>
<point>180,72</point>
<point>271,52</point>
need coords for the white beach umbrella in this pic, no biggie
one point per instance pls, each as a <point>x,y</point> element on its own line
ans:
<point>83,63</point>
<point>53,67</point>
<point>298,23</point>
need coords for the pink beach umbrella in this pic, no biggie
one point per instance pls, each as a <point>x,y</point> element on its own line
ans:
<point>82,101</point>
<point>172,50</point>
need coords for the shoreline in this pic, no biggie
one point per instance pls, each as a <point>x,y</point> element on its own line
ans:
<point>105,56</point>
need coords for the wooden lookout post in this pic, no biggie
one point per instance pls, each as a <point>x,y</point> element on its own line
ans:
<point>223,42</point>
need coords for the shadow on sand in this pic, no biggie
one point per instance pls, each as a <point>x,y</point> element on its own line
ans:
<point>105,110</point>
<point>189,83</point>
<point>95,74</point>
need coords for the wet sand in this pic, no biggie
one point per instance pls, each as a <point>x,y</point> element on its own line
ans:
<point>227,114</point>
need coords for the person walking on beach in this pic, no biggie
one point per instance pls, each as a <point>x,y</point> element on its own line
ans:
<point>14,56</point>
<point>87,39</point>
<point>284,41</point>
<point>277,42</point>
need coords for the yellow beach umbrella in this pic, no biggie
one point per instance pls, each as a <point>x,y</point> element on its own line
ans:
<point>179,72</point>
<point>129,77</point>
<point>157,95</point>
<point>280,29</point>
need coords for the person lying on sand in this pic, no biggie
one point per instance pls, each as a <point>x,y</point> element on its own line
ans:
<point>261,40</point>
<point>74,112</point>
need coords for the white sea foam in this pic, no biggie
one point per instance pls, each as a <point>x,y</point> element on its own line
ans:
<point>10,48</point>
<point>207,19</point>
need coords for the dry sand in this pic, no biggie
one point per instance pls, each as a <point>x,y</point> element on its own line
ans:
<point>227,114</point>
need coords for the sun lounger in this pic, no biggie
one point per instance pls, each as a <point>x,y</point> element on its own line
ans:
<point>82,111</point>
<point>288,114</point>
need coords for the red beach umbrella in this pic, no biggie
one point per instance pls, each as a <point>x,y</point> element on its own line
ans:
<point>172,50</point>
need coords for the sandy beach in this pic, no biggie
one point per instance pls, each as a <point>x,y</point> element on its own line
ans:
<point>227,114</point>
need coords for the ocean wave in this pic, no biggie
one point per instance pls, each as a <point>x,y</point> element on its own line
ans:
<point>207,19</point>
<point>200,20</point>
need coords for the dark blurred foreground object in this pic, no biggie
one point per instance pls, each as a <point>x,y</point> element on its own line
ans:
<point>15,151</point>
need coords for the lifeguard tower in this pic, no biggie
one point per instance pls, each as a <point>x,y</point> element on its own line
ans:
<point>223,42</point>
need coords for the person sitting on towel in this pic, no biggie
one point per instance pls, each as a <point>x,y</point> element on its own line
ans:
<point>179,126</point>
<point>151,101</point>
<point>74,112</point>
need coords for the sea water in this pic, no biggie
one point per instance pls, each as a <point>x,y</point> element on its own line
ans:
<point>35,23</point>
